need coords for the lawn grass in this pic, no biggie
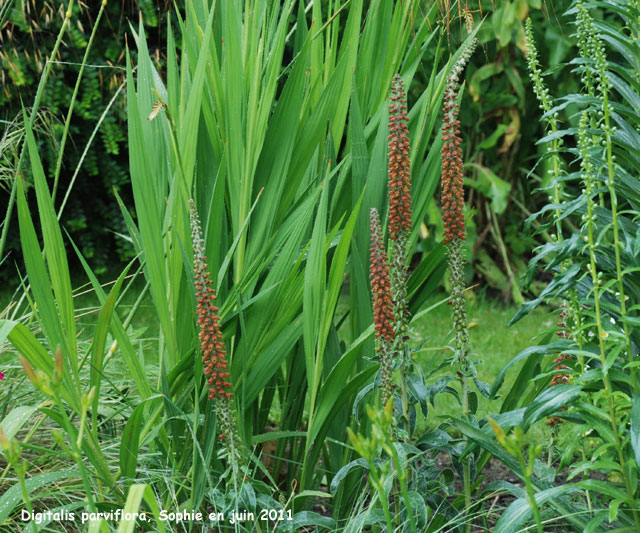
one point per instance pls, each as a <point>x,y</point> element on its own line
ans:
<point>493,344</point>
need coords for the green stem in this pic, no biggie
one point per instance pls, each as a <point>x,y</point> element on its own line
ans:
<point>403,485</point>
<point>603,359</point>
<point>25,494</point>
<point>616,240</point>
<point>67,122</point>
<point>407,502</point>
<point>466,464</point>
<point>383,500</point>
<point>556,185</point>
<point>530,492</point>
<point>405,397</point>
<point>87,147</point>
<point>77,454</point>
<point>461,332</point>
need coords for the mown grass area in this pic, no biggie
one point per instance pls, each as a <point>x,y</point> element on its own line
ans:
<point>492,342</point>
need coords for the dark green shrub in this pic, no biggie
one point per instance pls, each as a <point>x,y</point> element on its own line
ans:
<point>91,214</point>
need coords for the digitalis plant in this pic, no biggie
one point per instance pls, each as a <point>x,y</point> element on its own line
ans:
<point>399,172</point>
<point>214,356</point>
<point>454,236</point>
<point>389,276</point>
<point>382,307</point>
<point>595,271</point>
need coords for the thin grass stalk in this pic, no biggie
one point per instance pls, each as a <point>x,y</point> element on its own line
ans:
<point>67,123</point>
<point>497,235</point>
<point>531,496</point>
<point>87,147</point>
<point>32,117</point>
<point>4,10</point>
<point>596,278</point>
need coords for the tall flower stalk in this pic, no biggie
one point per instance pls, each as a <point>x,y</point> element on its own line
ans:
<point>382,306</point>
<point>551,121</point>
<point>454,236</point>
<point>214,355</point>
<point>589,180</point>
<point>601,76</point>
<point>399,184</point>
<point>572,316</point>
<point>453,203</point>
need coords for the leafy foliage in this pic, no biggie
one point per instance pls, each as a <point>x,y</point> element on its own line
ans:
<point>262,143</point>
<point>593,198</point>
<point>500,126</point>
<point>28,33</point>
<point>282,182</point>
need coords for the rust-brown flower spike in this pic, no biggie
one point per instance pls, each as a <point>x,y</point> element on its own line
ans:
<point>213,351</point>
<point>399,169</point>
<point>382,304</point>
<point>380,284</point>
<point>452,167</point>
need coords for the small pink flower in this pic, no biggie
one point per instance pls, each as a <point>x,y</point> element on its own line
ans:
<point>1,376</point>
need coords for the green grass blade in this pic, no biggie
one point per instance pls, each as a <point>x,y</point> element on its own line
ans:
<point>99,339</point>
<point>131,507</point>
<point>337,273</point>
<point>130,443</point>
<point>37,273</point>
<point>227,259</point>
<point>16,418</point>
<point>134,364</point>
<point>54,249</point>
<point>269,361</point>
<point>13,496</point>
<point>314,286</point>
<point>149,183</point>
